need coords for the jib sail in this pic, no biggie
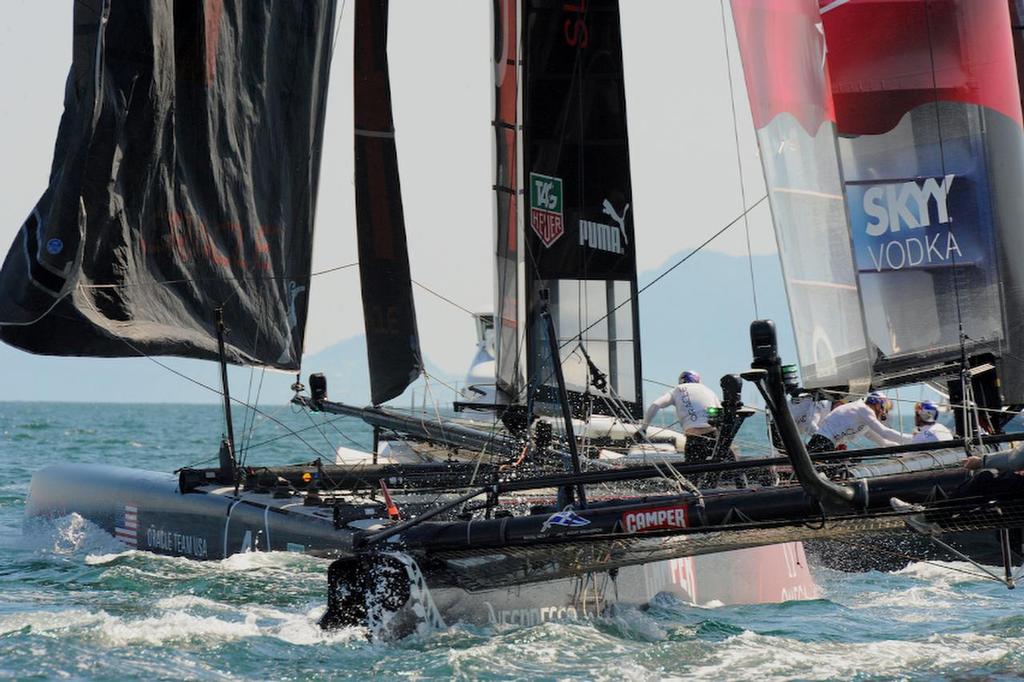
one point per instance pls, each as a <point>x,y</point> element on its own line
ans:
<point>392,342</point>
<point>784,60</point>
<point>184,179</point>
<point>508,333</point>
<point>932,152</point>
<point>578,227</point>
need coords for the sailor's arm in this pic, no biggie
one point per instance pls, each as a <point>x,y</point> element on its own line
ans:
<point>877,439</point>
<point>885,433</point>
<point>656,406</point>
<point>1012,460</point>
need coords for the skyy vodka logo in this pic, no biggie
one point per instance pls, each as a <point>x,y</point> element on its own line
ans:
<point>895,215</point>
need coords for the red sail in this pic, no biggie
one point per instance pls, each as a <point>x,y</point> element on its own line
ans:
<point>785,76</point>
<point>506,188</point>
<point>784,60</point>
<point>886,58</point>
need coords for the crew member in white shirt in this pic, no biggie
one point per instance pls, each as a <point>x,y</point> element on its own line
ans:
<point>929,430</point>
<point>691,399</point>
<point>858,418</point>
<point>808,409</point>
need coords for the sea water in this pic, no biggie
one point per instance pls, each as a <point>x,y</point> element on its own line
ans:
<point>75,603</point>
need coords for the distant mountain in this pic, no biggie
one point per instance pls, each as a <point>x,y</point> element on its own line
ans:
<point>696,317</point>
<point>28,377</point>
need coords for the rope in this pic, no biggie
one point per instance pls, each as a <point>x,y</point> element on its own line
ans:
<point>191,280</point>
<point>629,299</point>
<point>444,298</point>
<point>739,159</point>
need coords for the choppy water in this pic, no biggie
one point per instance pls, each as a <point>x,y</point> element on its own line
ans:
<point>74,604</point>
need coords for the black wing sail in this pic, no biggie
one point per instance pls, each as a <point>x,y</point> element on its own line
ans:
<point>392,343</point>
<point>184,178</point>
<point>579,239</point>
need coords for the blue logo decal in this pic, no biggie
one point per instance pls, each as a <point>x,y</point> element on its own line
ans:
<point>54,246</point>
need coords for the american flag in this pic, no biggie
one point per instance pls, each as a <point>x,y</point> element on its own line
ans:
<point>127,531</point>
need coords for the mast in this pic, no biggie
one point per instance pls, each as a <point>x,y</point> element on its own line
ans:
<point>507,197</point>
<point>228,447</point>
<point>574,454</point>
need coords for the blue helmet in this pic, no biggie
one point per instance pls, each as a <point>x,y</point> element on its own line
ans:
<point>880,400</point>
<point>688,377</point>
<point>926,411</point>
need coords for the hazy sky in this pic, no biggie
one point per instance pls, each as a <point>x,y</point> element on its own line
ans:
<point>685,178</point>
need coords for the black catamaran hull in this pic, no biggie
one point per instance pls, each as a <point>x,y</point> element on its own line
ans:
<point>146,511</point>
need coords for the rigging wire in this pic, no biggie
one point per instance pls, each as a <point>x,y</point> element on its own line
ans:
<point>252,422</point>
<point>195,280</point>
<point>971,420</point>
<point>444,298</point>
<point>282,436</point>
<point>217,391</point>
<point>675,265</point>
<point>739,158</point>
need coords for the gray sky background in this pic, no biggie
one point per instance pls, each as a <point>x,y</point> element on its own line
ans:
<point>686,184</point>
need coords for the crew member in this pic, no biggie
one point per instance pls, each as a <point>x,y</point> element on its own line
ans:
<point>808,409</point>
<point>858,418</point>
<point>929,430</point>
<point>692,400</point>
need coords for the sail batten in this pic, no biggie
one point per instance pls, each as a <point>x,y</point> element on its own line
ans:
<point>184,179</point>
<point>392,340</point>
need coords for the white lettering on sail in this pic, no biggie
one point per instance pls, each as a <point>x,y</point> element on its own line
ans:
<point>603,237</point>
<point>937,248</point>
<point>891,207</point>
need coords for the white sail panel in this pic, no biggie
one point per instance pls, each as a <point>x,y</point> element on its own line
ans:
<point>783,52</point>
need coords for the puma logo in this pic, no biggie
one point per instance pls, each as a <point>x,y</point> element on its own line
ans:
<point>603,237</point>
<point>609,211</point>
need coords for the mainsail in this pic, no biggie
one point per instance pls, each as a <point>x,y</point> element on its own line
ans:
<point>184,179</point>
<point>392,342</point>
<point>580,244</point>
<point>894,158</point>
<point>932,153</point>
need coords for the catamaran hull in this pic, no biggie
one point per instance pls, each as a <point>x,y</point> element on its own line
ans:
<point>770,574</point>
<point>146,511</point>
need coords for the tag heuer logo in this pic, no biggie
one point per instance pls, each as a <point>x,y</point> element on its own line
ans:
<point>546,207</point>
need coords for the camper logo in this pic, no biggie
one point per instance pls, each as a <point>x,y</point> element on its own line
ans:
<point>546,207</point>
<point>655,518</point>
